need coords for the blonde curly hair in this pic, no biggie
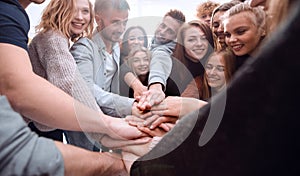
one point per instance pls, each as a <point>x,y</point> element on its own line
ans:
<point>58,16</point>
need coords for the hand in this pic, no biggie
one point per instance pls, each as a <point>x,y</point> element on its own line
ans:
<point>177,106</point>
<point>154,121</point>
<point>118,128</point>
<point>153,96</point>
<point>153,132</point>
<point>135,110</point>
<point>119,144</point>
<point>133,82</point>
<point>138,90</point>
<point>134,120</point>
<point>160,121</point>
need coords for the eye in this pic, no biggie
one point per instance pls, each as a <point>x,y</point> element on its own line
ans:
<point>124,23</point>
<point>162,25</point>
<point>146,59</point>
<point>131,38</point>
<point>191,40</point>
<point>170,32</point>
<point>203,16</point>
<point>135,60</point>
<point>86,11</point>
<point>220,68</point>
<point>208,67</point>
<point>203,37</point>
<point>227,35</point>
<point>241,32</point>
<point>141,38</point>
<point>216,24</point>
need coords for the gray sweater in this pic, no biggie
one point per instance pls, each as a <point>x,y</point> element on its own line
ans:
<point>51,59</point>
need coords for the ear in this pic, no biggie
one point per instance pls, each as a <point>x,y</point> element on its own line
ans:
<point>98,18</point>
<point>263,33</point>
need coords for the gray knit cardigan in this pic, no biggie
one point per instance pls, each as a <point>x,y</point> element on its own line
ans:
<point>51,59</point>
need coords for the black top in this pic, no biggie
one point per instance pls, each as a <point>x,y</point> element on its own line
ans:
<point>182,75</point>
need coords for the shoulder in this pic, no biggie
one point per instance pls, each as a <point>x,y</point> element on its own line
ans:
<point>14,24</point>
<point>49,39</point>
<point>84,44</point>
<point>168,48</point>
<point>84,41</point>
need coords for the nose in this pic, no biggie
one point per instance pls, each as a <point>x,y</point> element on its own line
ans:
<point>78,15</point>
<point>220,29</point>
<point>200,42</point>
<point>163,31</point>
<point>232,39</point>
<point>121,27</point>
<point>136,41</point>
<point>142,62</point>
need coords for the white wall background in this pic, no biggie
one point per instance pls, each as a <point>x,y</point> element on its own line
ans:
<point>141,11</point>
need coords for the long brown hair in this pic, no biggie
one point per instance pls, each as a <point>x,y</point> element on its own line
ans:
<point>124,49</point>
<point>179,51</point>
<point>58,16</point>
<point>228,59</point>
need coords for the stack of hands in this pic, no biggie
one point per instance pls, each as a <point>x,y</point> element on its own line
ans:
<point>153,116</point>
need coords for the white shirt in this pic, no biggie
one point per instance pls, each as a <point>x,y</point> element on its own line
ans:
<point>109,72</point>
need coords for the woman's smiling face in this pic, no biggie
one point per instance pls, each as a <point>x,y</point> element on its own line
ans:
<point>195,43</point>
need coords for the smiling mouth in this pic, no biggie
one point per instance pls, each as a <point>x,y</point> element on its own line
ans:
<point>77,25</point>
<point>237,47</point>
<point>142,69</point>
<point>212,79</point>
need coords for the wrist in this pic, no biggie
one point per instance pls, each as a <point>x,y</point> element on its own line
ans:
<point>156,86</point>
<point>107,124</point>
<point>136,83</point>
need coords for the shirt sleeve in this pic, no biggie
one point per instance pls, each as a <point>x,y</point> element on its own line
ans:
<point>22,151</point>
<point>14,25</point>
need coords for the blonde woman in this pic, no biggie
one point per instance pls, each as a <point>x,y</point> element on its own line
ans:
<point>61,23</point>
<point>138,60</point>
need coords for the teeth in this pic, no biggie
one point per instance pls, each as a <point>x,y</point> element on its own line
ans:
<point>78,24</point>
<point>237,47</point>
<point>212,79</point>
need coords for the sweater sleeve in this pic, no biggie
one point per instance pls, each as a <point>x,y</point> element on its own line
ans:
<point>61,69</point>
<point>52,52</point>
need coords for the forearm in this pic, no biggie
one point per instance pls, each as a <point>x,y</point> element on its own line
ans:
<point>78,161</point>
<point>160,67</point>
<point>38,100</point>
<point>133,82</point>
<point>190,105</point>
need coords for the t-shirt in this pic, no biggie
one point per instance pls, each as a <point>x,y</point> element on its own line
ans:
<point>14,23</point>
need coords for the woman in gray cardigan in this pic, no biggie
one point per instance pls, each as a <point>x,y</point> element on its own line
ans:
<point>51,59</point>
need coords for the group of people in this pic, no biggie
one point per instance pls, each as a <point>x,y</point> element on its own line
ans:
<point>108,87</point>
